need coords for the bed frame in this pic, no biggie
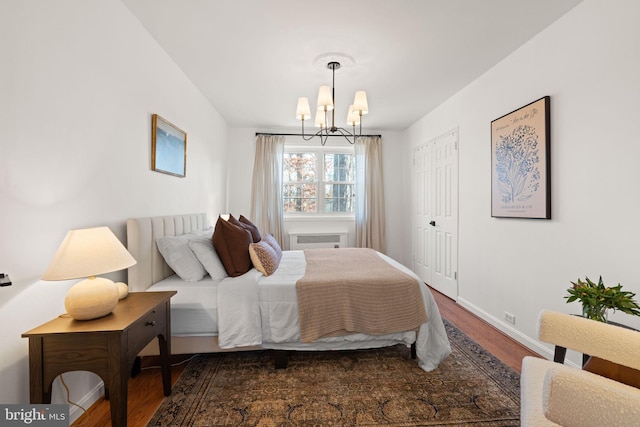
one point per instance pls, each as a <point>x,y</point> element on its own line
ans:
<point>141,242</point>
<point>151,268</point>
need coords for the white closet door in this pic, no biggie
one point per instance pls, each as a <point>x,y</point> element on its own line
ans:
<point>422,200</point>
<point>435,213</point>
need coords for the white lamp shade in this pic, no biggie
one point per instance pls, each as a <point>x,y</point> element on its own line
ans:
<point>321,119</point>
<point>353,118</point>
<point>88,252</point>
<point>360,104</point>
<point>303,112</point>
<point>325,100</point>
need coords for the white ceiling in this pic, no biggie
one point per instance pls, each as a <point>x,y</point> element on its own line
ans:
<point>253,58</point>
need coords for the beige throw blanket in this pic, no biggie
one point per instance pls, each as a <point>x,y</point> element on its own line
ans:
<point>354,290</point>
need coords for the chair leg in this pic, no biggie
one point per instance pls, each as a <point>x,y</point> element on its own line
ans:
<point>559,354</point>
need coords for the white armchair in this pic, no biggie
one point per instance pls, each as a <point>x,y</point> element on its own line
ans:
<point>554,394</point>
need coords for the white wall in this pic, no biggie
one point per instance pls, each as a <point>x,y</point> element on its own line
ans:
<point>242,143</point>
<point>588,63</point>
<point>79,82</point>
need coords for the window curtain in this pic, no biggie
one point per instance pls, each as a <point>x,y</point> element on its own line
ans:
<point>267,209</point>
<point>370,217</point>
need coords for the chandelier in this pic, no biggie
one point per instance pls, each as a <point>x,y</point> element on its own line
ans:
<point>325,105</point>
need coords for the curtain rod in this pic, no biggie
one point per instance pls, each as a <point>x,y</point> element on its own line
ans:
<point>299,134</point>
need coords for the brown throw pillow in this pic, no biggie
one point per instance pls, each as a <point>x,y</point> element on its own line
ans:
<point>232,245</point>
<point>253,230</point>
<point>265,259</point>
<point>255,233</point>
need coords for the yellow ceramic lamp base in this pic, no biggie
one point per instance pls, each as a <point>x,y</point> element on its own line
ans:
<point>91,298</point>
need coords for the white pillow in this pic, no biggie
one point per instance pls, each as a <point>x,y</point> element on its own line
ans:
<point>177,254</point>
<point>208,257</point>
<point>208,232</point>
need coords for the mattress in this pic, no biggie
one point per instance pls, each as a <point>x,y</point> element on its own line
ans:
<point>194,309</point>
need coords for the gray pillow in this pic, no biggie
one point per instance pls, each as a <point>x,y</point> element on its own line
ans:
<point>177,254</point>
<point>208,257</point>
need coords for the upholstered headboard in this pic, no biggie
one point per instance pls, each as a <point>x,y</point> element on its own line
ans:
<point>141,242</point>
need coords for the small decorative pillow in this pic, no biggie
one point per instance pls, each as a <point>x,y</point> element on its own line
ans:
<point>265,259</point>
<point>255,233</point>
<point>232,245</point>
<point>271,241</point>
<point>177,254</point>
<point>208,257</point>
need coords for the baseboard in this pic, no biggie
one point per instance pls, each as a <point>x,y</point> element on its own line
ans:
<point>507,329</point>
<point>87,400</point>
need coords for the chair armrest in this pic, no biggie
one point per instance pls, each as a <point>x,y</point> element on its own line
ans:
<point>572,397</point>
<point>531,383</point>
<point>603,340</point>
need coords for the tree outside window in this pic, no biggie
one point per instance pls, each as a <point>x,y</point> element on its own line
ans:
<point>319,182</point>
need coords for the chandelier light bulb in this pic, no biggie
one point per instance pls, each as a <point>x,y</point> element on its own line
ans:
<point>360,104</point>
<point>303,112</point>
<point>321,117</point>
<point>325,100</point>
<point>353,118</point>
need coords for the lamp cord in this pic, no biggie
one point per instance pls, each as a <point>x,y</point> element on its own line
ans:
<point>175,364</point>
<point>84,411</point>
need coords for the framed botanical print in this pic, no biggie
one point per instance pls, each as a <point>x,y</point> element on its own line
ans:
<point>520,163</point>
<point>168,147</point>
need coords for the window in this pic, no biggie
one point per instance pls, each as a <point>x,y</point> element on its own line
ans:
<point>319,181</point>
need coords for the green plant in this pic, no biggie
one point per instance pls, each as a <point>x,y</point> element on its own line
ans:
<point>597,298</point>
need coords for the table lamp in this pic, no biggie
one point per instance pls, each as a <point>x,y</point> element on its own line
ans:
<point>85,253</point>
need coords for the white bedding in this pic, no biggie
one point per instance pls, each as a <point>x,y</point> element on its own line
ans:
<point>194,309</point>
<point>258,310</point>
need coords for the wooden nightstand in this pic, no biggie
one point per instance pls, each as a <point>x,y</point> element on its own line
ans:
<point>107,346</point>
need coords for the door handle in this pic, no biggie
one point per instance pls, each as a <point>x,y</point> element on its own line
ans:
<point>433,223</point>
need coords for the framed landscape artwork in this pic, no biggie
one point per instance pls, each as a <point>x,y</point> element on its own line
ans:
<point>168,148</point>
<point>520,181</point>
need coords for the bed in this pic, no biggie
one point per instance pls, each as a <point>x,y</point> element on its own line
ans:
<point>253,311</point>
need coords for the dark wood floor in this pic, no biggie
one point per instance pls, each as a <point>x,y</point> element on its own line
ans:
<point>145,390</point>
<point>505,348</point>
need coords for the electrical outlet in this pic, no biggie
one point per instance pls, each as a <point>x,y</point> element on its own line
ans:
<point>4,280</point>
<point>511,318</point>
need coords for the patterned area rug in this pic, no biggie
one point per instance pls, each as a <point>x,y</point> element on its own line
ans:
<point>377,387</point>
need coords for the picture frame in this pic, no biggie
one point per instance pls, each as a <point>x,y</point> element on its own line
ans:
<point>168,147</point>
<point>520,162</point>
